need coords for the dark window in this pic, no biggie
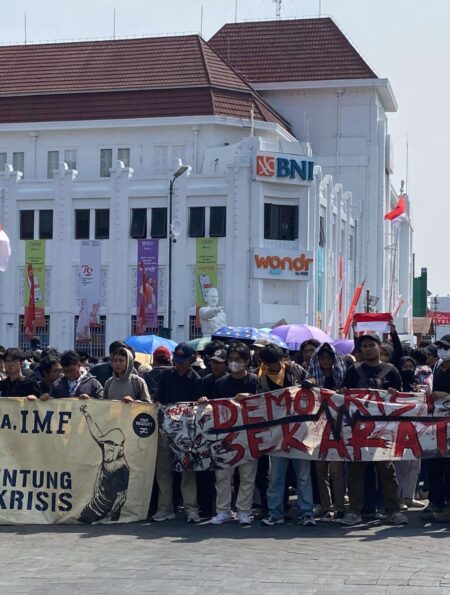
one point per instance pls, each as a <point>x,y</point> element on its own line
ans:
<point>194,328</point>
<point>197,222</point>
<point>159,223</point>
<point>27,225</point>
<point>105,162</point>
<point>280,222</point>
<point>82,224</point>
<point>217,222</point>
<point>102,224</point>
<point>322,237</point>
<point>138,223</point>
<point>46,225</point>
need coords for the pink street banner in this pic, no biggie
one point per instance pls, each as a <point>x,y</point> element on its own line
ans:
<point>147,286</point>
<point>359,425</point>
<point>89,287</point>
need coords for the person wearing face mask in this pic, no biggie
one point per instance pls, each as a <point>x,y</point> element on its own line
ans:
<point>237,385</point>
<point>439,469</point>
<point>408,471</point>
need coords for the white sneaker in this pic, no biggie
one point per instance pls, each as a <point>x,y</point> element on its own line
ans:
<point>163,516</point>
<point>351,518</point>
<point>221,518</point>
<point>245,518</point>
<point>192,517</point>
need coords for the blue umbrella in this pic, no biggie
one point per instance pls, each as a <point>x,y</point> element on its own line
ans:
<point>247,333</point>
<point>148,343</point>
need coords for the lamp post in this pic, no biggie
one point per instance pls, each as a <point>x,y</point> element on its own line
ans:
<point>182,169</point>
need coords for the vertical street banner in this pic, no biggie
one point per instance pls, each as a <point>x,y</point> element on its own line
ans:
<point>147,286</point>
<point>205,269</point>
<point>73,461</point>
<point>89,287</point>
<point>34,288</point>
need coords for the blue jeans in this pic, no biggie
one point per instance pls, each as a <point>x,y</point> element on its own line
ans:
<point>275,491</point>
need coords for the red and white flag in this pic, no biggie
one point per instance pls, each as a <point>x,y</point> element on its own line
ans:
<point>398,213</point>
<point>352,308</point>
<point>377,322</point>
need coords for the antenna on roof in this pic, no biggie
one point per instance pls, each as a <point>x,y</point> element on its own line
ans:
<point>114,22</point>
<point>320,8</point>
<point>278,8</point>
<point>235,10</point>
<point>25,26</point>
<point>201,21</point>
<point>252,120</point>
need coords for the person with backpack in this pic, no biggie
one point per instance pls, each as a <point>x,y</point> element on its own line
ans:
<point>372,373</point>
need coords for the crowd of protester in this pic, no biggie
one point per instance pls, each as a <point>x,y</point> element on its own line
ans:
<point>341,492</point>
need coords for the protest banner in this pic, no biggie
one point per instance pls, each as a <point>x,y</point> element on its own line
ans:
<point>359,425</point>
<point>74,461</point>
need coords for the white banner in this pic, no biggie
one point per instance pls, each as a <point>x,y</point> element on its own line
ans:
<point>89,288</point>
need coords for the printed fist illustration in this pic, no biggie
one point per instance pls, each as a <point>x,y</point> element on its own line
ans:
<point>83,409</point>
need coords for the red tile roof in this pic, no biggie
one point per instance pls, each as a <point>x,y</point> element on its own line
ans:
<point>150,77</point>
<point>290,50</point>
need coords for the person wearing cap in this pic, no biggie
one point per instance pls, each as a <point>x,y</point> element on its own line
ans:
<point>208,350</point>
<point>217,362</point>
<point>274,374</point>
<point>238,384</point>
<point>375,374</point>
<point>256,348</point>
<point>176,385</point>
<point>433,360</point>
<point>327,368</point>
<point>124,385</point>
<point>439,469</point>
<point>162,360</point>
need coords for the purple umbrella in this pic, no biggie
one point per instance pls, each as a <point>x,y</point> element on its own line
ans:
<point>295,334</point>
<point>344,346</point>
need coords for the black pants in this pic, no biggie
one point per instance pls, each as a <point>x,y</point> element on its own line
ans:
<point>439,481</point>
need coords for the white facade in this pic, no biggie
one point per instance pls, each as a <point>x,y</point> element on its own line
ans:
<point>222,153</point>
<point>345,121</point>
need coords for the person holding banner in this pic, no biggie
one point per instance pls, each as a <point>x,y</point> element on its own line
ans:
<point>76,382</point>
<point>124,385</point>
<point>176,385</point>
<point>15,384</point>
<point>374,374</point>
<point>237,385</point>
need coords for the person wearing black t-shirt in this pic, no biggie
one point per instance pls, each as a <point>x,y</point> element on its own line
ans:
<point>15,384</point>
<point>439,469</point>
<point>373,373</point>
<point>237,385</point>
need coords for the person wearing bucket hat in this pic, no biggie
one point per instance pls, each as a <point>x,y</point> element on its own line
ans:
<point>178,384</point>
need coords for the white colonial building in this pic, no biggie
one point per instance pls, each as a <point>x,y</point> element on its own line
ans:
<point>88,146</point>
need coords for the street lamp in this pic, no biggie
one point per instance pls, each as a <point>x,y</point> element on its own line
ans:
<point>173,232</point>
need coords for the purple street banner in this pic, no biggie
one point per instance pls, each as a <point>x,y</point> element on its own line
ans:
<point>89,287</point>
<point>147,286</point>
<point>358,425</point>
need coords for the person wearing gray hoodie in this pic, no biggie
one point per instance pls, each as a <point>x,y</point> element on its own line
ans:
<point>124,385</point>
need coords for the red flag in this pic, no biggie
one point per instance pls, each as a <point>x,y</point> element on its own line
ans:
<point>29,319</point>
<point>352,308</point>
<point>398,212</point>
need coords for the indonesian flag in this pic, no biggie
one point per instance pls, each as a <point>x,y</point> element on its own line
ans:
<point>29,319</point>
<point>372,322</point>
<point>398,214</point>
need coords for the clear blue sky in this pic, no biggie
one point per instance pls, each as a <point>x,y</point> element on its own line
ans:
<point>406,41</point>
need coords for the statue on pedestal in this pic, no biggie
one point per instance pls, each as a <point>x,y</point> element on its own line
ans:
<point>212,316</point>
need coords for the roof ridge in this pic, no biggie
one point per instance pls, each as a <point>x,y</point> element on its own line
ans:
<point>200,45</point>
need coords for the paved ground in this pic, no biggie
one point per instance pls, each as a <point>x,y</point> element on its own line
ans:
<point>182,559</point>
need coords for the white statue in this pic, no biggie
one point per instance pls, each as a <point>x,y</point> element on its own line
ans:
<point>212,316</point>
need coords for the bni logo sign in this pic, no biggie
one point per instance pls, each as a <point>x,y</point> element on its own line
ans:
<point>281,167</point>
<point>265,165</point>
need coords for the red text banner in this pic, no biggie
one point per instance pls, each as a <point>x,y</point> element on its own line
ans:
<point>358,425</point>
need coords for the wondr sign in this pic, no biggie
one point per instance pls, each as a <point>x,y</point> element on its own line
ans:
<point>271,263</point>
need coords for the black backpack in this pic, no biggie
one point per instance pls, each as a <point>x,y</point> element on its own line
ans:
<point>377,381</point>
